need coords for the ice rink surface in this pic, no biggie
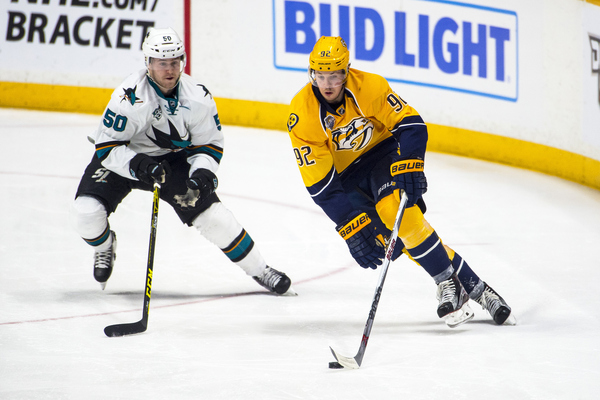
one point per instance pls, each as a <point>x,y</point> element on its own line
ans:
<point>215,334</point>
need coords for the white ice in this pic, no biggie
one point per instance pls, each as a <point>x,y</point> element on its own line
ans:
<point>215,334</point>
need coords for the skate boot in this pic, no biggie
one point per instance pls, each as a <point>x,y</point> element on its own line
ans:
<point>453,300</point>
<point>104,261</point>
<point>496,306</point>
<point>273,280</point>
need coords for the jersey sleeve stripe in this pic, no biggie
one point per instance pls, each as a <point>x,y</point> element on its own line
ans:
<point>320,186</point>
<point>104,149</point>
<point>212,151</point>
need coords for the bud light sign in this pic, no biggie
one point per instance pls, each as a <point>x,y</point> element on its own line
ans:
<point>435,43</point>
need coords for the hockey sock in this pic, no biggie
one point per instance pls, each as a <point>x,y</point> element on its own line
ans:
<point>239,247</point>
<point>102,242</point>
<point>468,278</point>
<point>432,256</point>
<point>220,227</point>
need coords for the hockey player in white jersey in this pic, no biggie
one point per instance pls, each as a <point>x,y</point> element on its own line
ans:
<point>160,125</point>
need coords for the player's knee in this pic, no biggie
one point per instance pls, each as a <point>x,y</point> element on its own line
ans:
<point>414,228</point>
<point>218,225</point>
<point>387,208</point>
<point>88,216</point>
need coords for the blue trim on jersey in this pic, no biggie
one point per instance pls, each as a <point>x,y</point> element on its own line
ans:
<point>411,134</point>
<point>329,194</point>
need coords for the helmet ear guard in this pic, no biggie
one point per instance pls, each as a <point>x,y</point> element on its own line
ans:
<point>329,54</point>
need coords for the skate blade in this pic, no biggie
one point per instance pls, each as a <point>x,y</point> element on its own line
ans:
<point>511,320</point>
<point>459,316</point>
<point>290,292</point>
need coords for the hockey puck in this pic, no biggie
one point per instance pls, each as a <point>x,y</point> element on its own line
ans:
<point>335,365</point>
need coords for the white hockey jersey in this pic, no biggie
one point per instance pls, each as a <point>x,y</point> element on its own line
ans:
<point>139,119</point>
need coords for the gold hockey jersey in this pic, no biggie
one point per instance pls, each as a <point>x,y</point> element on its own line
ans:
<point>328,142</point>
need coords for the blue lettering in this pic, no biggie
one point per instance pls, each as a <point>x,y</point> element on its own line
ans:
<point>325,15</point>
<point>477,49</point>
<point>423,41</point>
<point>402,57</point>
<point>293,27</point>
<point>361,15</point>
<point>443,25</point>
<point>345,24</point>
<point>500,35</point>
<point>452,51</point>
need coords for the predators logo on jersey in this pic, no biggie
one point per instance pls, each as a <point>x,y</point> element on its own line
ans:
<point>354,136</point>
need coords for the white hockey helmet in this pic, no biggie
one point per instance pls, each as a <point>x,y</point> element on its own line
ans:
<point>163,43</point>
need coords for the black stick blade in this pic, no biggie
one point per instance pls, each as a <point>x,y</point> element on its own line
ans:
<point>125,329</point>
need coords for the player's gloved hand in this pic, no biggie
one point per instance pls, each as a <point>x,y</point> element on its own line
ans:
<point>359,234</point>
<point>148,170</point>
<point>408,175</point>
<point>201,184</point>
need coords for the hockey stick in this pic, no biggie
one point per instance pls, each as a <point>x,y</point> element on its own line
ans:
<point>354,362</point>
<point>141,325</point>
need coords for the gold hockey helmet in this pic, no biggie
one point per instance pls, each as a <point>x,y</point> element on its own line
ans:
<point>329,54</point>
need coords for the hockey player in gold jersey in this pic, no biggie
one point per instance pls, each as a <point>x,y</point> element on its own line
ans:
<point>357,144</point>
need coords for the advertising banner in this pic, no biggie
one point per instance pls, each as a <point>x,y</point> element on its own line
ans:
<point>441,44</point>
<point>77,42</point>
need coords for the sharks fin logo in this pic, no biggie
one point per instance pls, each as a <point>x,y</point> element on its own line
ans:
<point>130,96</point>
<point>172,140</point>
<point>206,91</point>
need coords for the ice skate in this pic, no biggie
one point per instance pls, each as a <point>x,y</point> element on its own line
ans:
<point>104,261</point>
<point>496,306</point>
<point>453,298</point>
<point>273,280</point>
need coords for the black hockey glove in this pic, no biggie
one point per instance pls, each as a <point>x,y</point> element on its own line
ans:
<point>201,184</point>
<point>408,175</point>
<point>359,234</point>
<point>147,170</point>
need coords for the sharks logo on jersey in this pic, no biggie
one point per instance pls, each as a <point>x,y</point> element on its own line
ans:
<point>354,136</point>
<point>130,96</point>
<point>206,91</point>
<point>172,140</point>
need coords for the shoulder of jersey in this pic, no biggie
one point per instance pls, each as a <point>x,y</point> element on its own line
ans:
<point>194,90</point>
<point>301,97</point>
<point>365,84</point>
<point>300,108</point>
<point>133,91</point>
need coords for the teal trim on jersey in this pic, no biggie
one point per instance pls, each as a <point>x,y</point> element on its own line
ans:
<point>215,153</point>
<point>102,152</point>
<point>183,144</point>
<point>173,101</point>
